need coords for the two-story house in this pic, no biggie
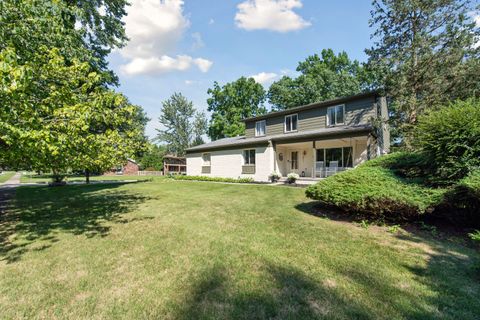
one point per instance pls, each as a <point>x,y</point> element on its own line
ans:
<point>315,141</point>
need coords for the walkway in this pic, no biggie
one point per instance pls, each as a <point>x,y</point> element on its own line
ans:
<point>11,183</point>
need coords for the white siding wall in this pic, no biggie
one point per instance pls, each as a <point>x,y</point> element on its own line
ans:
<point>228,163</point>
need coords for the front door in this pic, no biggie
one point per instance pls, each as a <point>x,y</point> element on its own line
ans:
<point>294,161</point>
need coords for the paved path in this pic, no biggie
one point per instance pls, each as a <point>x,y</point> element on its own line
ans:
<point>11,183</point>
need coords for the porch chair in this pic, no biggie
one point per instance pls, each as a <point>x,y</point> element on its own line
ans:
<point>319,169</point>
<point>332,168</point>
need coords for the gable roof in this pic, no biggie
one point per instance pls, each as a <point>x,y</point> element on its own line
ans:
<point>264,140</point>
<point>314,105</point>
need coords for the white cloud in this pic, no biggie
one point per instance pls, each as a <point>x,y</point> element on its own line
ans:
<point>264,77</point>
<point>203,64</point>
<point>211,21</point>
<point>275,15</point>
<point>163,64</point>
<point>154,28</point>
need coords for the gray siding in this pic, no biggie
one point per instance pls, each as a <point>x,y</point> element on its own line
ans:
<point>356,112</point>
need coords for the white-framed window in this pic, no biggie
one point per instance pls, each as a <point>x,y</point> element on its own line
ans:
<point>260,127</point>
<point>206,159</point>
<point>291,123</point>
<point>336,115</point>
<point>249,157</point>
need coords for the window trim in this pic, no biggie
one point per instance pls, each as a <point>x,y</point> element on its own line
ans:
<point>264,130</point>
<point>328,116</point>
<point>285,123</point>
<point>243,157</point>
<point>203,159</point>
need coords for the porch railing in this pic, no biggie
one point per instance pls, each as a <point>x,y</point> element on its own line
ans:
<point>322,172</point>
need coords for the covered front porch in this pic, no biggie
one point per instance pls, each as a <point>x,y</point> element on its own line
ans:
<point>316,159</point>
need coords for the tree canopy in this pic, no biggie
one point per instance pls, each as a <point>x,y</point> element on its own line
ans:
<point>183,125</point>
<point>321,78</point>
<point>231,103</point>
<point>426,55</point>
<point>58,112</point>
<point>152,158</point>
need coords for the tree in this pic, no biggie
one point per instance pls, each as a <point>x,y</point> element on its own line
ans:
<point>57,112</point>
<point>426,53</point>
<point>57,116</point>
<point>85,30</point>
<point>184,126</point>
<point>321,78</point>
<point>152,158</point>
<point>231,103</point>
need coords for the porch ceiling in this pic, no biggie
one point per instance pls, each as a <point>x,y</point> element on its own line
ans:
<point>309,143</point>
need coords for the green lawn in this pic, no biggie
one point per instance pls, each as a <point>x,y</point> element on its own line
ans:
<point>35,178</point>
<point>6,175</point>
<point>168,249</point>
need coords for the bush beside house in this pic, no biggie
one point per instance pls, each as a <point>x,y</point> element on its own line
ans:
<point>442,176</point>
<point>449,138</point>
<point>375,189</point>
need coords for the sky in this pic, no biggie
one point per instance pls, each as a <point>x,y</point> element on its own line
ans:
<point>184,46</point>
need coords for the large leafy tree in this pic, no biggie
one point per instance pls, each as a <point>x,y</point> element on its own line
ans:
<point>231,103</point>
<point>183,126</point>
<point>321,77</point>
<point>57,111</point>
<point>426,55</point>
<point>60,117</point>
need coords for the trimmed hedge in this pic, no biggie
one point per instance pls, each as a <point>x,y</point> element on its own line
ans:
<point>376,189</point>
<point>212,179</point>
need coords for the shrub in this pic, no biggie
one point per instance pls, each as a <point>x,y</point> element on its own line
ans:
<point>374,190</point>
<point>274,176</point>
<point>213,179</point>
<point>450,139</point>
<point>462,202</point>
<point>410,165</point>
<point>475,236</point>
<point>292,177</point>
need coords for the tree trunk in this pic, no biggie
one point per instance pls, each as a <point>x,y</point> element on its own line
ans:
<point>87,176</point>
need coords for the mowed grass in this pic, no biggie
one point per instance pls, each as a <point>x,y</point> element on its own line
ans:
<point>6,175</point>
<point>168,249</point>
<point>35,178</point>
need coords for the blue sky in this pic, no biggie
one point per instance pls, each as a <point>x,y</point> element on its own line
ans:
<point>184,46</point>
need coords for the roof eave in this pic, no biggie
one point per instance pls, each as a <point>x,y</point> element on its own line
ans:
<point>314,105</point>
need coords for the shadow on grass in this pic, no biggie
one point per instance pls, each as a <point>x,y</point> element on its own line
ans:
<point>36,214</point>
<point>290,294</point>
<point>447,266</point>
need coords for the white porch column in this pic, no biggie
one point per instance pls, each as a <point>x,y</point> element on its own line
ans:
<point>314,156</point>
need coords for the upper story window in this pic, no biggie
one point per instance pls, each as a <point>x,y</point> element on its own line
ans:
<point>336,115</point>
<point>249,157</point>
<point>206,159</point>
<point>260,128</point>
<point>291,123</point>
